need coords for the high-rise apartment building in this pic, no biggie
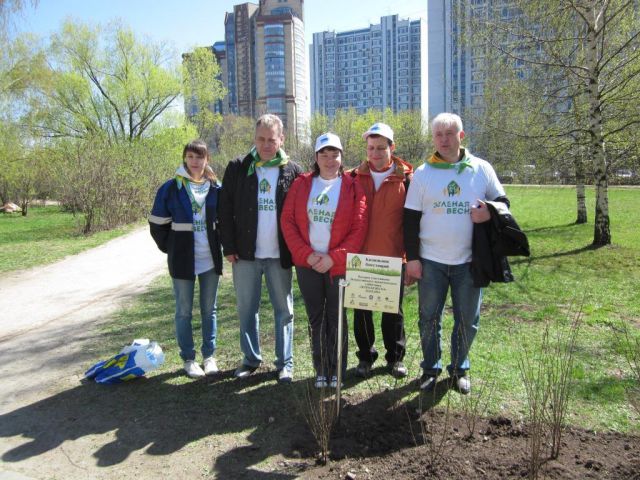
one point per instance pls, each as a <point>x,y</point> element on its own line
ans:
<point>266,62</point>
<point>382,66</point>
<point>456,70</point>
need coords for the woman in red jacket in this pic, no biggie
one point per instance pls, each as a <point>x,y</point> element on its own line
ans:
<point>324,218</point>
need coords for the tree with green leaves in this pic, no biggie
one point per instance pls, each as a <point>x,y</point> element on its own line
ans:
<point>103,81</point>
<point>202,90</point>
<point>412,141</point>
<point>582,62</point>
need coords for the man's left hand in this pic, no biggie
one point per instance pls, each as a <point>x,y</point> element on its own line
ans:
<point>480,213</point>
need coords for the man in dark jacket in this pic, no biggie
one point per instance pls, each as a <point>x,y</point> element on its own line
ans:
<point>445,199</point>
<point>253,192</point>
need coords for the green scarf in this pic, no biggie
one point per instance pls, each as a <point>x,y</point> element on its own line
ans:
<point>436,161</point>
<point>281,158</point>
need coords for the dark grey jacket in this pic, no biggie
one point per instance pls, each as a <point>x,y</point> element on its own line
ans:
<point>493,242</point>
<point>238,208</point>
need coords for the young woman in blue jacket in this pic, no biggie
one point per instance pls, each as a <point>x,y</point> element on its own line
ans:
<point>183,224</point>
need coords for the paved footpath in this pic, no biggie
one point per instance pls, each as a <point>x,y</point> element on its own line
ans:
<point>48,315</point>
<point>48,320</point>
<point>93,280</point>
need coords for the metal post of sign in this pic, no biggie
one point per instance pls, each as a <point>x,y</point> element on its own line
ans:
<point>341,285</point>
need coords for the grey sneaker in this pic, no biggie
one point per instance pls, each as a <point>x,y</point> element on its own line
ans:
<point>397,369</point>
<point>193,369</point>
<point>321,382</point>
<point>462,384</point>
<point>244,371</point>
<point>285,375</point>
<point>334,382</point>
<point>363,370</point>
<point>427,382</point>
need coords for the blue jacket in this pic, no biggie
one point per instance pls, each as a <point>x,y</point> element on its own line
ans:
<point>171,224</point>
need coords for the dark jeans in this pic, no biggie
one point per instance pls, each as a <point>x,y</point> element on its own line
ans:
<point>320,294</point>
<point>393,334</point>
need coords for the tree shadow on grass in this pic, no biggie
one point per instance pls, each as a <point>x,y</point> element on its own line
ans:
<point>161,417</point>
<point>550,228</point>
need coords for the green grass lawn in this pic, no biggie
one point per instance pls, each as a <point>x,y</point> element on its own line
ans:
<point>563,275</point>
<point>45,235</point>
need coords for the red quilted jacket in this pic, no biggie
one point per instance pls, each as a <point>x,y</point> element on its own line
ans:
<point>348,229</point>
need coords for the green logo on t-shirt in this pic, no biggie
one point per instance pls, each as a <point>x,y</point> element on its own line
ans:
<point>264,186</point>
<point>452,189</point>
<point>321,199</point>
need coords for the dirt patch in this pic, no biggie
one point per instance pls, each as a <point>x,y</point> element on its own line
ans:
<point>255,429</point>
<point>378,440</point>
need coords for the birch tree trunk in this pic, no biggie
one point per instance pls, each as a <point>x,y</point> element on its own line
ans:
<point>580,190</point>
<point>594,13</point>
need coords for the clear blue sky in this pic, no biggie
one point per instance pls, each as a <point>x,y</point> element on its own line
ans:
<point>190,23</point>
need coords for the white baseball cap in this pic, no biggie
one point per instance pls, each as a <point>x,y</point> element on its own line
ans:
<point>328,140</point>
<point>379,129</point>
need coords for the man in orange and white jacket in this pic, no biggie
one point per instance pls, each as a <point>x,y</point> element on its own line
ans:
<point>385,180</point>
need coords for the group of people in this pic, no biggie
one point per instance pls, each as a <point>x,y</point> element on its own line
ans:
<point>268,216</point>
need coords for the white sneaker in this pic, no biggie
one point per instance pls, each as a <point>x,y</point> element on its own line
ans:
<point>193,369</point>
<point>210,366</point>
<point>285,375</point>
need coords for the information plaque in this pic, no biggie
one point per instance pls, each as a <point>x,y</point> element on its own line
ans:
<point>373,282</point>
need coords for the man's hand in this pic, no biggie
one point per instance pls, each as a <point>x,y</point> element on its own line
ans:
<point>324,265</point>
<point>480,213</point>
<point>232,258</point>
<point>413,271</point>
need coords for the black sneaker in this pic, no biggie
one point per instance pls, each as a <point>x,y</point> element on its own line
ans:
<point>427,382</point>
<point>363,369</point>
<point>462,384</point>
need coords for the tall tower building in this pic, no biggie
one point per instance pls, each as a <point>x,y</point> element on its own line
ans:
<point>383,66</point>
<point>281,64</point>
<point>244,16</point>
<point>266,62</point>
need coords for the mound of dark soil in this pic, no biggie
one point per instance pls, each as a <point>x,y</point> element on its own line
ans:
<point>378,440</point>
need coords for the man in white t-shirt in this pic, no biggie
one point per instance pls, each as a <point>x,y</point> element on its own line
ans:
<point>253,191</point>
<point>445,198</point>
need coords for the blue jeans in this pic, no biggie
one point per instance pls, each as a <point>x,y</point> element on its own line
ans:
<point>466,300</point>
<point>247,281</point>
<point>183,291</point>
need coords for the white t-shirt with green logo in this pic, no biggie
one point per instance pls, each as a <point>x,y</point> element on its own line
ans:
<point>445,198</point>
<point>321,208</point>
<point>203,261</point>
<point>267,237</point>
